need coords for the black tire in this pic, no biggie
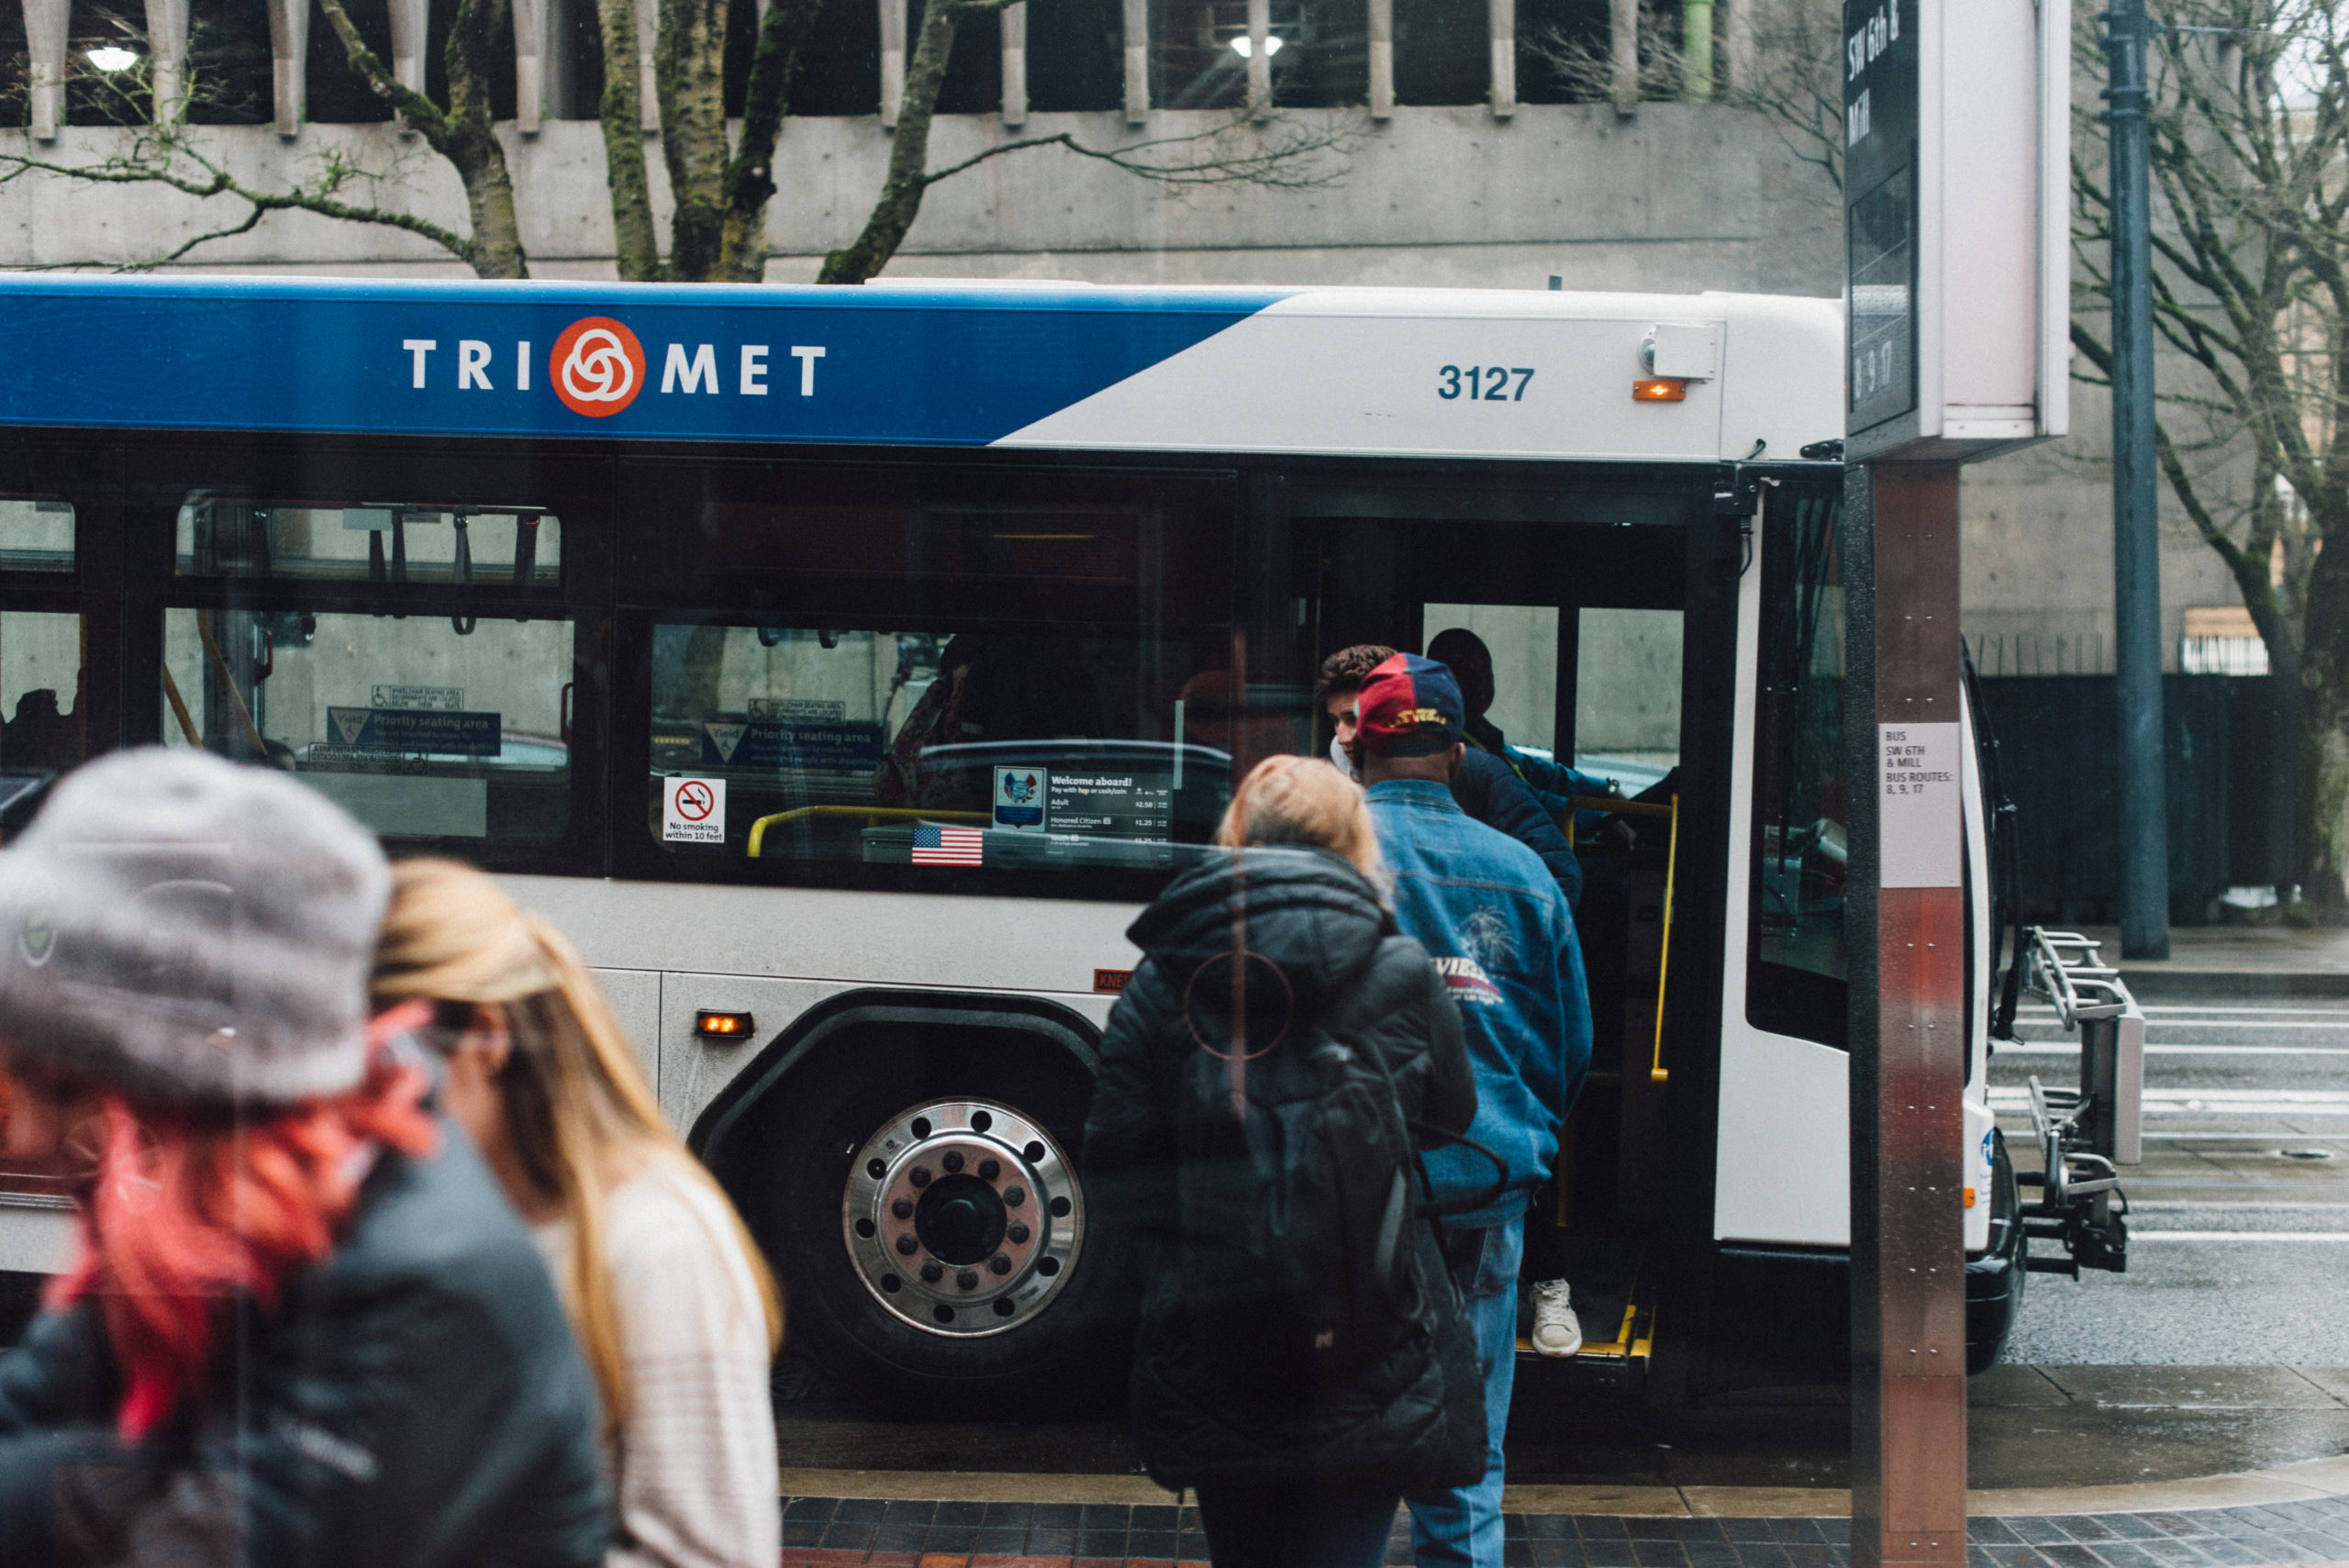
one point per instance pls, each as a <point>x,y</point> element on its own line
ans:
<point>1070,1357</point>
<point>1995,1281</point>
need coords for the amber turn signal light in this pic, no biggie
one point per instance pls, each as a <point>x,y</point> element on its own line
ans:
<point>722,1026</point>
<point>1664,389</point>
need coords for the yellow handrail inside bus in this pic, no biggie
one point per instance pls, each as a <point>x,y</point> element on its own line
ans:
<point>873,816</point>
<point>1657,1073</point>
<point>1614,805</point>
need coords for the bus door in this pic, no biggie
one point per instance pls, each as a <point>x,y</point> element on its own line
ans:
<point>1581,629</point>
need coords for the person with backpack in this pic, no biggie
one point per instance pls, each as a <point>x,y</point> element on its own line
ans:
<point>1266,1079</point>
<point>1491,914</point>
<point>302,1326</point>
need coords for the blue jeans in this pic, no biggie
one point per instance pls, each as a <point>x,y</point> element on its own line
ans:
<point>1463,1526</point>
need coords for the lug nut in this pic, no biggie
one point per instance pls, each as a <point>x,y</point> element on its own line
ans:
<point>1014,1196</point>
<point>918,1175</point>
<point>953,1161</point>
<point>968,1279</point>
<point>999,1263</point>
<point>909,1246</point>
<point>989,1169</point>
<point>932,1272</point>
<point>902,1209</point>
<point>1017,1232</point>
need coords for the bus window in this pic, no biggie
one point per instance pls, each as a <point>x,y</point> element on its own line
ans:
<point>380,541</point>
<point>1797,977</point>
<point>35,535</point>
<point>1627,695</point>
<point>1021,747</point>
<point>424,726</point>
<point>42,722</point>
<point>1523,641</point>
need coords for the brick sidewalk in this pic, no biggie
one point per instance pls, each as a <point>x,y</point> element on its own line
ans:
<point>895,1534</point>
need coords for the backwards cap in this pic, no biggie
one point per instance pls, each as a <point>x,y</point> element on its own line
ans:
<point>1408,706</point>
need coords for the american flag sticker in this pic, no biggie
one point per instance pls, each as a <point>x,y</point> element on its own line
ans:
<point>935,846</point>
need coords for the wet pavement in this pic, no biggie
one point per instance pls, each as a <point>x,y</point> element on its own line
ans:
<point>924,1534</point>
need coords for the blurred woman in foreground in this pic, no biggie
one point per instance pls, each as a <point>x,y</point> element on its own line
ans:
<point>670,1301</point>
<point>301,1328</point>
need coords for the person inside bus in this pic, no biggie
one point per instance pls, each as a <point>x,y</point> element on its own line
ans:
<point>1482,785</point>
<point>665,1290</point>
<point>1490,913</point>
<point>1553,784</point>
<point>1297,1464</point>
<point>300,1324</point>
<point>990,686</point>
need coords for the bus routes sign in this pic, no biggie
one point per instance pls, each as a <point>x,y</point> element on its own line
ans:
<point>1957,244</point>
<point>1880,208</point>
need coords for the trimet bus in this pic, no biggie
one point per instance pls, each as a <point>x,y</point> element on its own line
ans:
<point>844,668</point>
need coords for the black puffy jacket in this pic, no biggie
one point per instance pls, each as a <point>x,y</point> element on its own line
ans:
<point>1414,1416</point>
<point>415,1401</point>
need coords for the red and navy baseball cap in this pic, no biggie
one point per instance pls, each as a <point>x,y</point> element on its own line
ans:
<point>1408,706</point>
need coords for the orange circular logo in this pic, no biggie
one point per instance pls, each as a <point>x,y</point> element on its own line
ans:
<point>597,367</point>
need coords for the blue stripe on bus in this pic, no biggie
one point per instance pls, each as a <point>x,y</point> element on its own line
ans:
<point>955,367</point>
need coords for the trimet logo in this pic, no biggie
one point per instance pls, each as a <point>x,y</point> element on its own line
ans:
<point>597,367</point>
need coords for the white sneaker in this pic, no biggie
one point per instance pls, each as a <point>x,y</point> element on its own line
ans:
<point>1556,1330</point>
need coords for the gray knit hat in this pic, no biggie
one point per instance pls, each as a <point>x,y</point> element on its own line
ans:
<point>191,930</point>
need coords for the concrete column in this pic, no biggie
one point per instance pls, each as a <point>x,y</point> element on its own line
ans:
<point>647,30</point>
<point>1502,18</point>
<point>893,60</point>
<point>558,100</point>
<point>529,64</point>
<point>1382,59</point>
<point>411,34</point>
<point>289,53</point>
<point>167,58</point>
<point>1015,63</point>
<point>1736,35</point>
<point>1623,47</point>
<point>46,24</point>
<point>1136,62</point>
<point>1259,57</point>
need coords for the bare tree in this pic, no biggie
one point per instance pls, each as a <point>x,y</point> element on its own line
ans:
<point>173,155</point>
<point>464,133</point>
<point>1786,70</point>
<point>1280,153</point>
<point>717,230</point>
<point>2250,158</point>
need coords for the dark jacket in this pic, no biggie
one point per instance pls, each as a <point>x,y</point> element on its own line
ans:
<point>415,1400</point>
<point>1491,793</point>
<point>1398,1419</point>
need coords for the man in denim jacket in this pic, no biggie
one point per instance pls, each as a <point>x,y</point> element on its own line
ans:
<point>1492,917</point>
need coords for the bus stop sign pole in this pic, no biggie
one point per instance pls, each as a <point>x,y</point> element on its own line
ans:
<point>1908,1239</point>
<point>1956,183</point>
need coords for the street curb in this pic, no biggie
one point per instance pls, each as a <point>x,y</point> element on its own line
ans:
<point>2308,1481</point>
<point>2173,985</point>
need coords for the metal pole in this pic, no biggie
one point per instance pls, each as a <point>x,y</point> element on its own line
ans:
<point>2136,539</point>
<point>1907,938</point>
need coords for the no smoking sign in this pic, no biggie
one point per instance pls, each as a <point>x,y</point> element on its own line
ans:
<point>693,811</point>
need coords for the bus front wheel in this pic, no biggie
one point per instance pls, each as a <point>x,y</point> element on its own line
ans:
<point>936,1243</point>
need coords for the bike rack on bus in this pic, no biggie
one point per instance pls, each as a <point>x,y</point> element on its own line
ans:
<point>2084,1135</point>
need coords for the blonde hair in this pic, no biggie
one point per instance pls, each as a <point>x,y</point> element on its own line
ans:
<point>576,1102</point>
<point>1302,800</point>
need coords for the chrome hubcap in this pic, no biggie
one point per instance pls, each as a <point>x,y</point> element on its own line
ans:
<point>962,1218</point>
